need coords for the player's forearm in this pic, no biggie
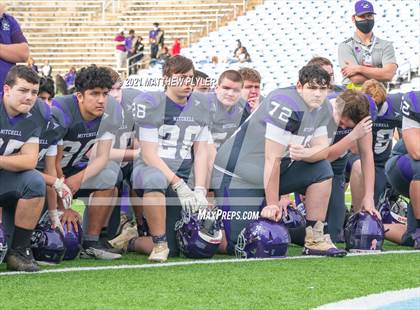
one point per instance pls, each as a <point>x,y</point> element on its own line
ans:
<point>16,163</point>
<point>123,154</point>
<point>59,170</point>
<point>316,154</point>
<point>94,167</point>
<point>153,160</point>
<point>358,78</point>
<point>200,163</point>
<point>18,52</point>
<point>212,152</point>
<point>50,172</point>
<point>379,74</point>
<point>338,149</point>
<point>58,159</point>
<point>51,198</point>
<point>272,179</point>
<point>368,164</point>
<point>49,179</point>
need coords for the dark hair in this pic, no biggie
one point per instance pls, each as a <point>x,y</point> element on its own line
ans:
<point>249,74</point>
<point>60,85</point>
<point>115,77</point>
<point>319,61</point>
<point>231,75</point>
<point>177,64</point>
<point>47,85</point>
<point>200,74</point>
<point>21,72</point>
<point>131,31</point>
<point>92,77</point>
<point>156,24</point>
<point>314,74</point>
<point>356,105</point>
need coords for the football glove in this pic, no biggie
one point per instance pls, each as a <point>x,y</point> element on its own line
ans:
<point>55,219</point>
<point>200,196</point>
<point>64,192</point>
<point>186,196</point>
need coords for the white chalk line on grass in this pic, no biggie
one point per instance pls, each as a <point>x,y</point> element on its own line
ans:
<point>193,262</point>
<point>373,301</point>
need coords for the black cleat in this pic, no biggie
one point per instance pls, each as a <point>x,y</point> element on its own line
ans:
<point>21,260</point>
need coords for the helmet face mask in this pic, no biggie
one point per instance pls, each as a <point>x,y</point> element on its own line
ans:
<point>399,211</point>
<point>294,218</point>
<point>198,238</point>
<point>364,233</point>
<point>393,208</point>
<point>47,244</point>
<point>262,239</point>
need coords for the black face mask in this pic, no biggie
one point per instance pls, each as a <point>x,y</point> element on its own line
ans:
<point>365,25</point>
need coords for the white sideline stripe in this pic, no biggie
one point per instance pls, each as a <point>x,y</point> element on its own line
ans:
<point>373,301</point>
<point>194,262</point>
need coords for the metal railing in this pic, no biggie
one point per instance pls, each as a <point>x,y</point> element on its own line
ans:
<point>106,4</point>
<point>141,63</point>
<point>218,20</point>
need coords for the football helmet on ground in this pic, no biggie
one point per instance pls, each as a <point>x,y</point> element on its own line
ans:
<point>198,237</point>
<point>364,233</point>
<point>47,244</point>
<point>262,239</point>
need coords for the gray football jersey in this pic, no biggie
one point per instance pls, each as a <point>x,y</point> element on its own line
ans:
<point>174,127</point>
<point>410,106</point>
<point>125,134</point>
<point>81,135</point>
<point>282,117</point>
<point>21,129</point>
<point>224,122</point>
<point>51,134</point>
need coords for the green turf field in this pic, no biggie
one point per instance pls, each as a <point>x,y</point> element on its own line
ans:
<point>274,284</point>
<point>279,284</point>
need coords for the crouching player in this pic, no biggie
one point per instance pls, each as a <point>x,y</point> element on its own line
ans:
<point>173,134</point>
<point>387,120</point>
<point>287,137</point>
<point>403,172</point>
<point>90,119</point>
<point>21,186</point>
<point>352,111</point>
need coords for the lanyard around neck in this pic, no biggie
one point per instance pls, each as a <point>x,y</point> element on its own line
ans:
<point>369,50</point>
